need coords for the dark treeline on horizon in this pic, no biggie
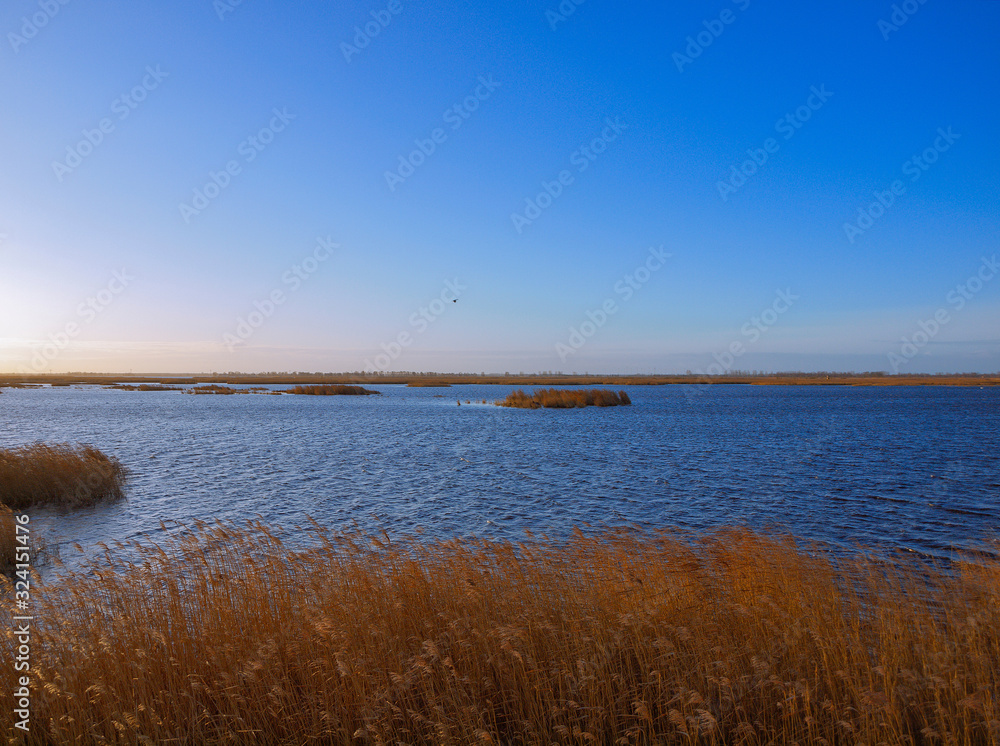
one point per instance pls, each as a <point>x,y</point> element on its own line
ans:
<point>519,378</point>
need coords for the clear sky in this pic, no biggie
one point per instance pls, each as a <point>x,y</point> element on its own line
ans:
<point>491,186</point>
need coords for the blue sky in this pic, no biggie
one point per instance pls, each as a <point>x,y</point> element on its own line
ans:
<point>611,189</point>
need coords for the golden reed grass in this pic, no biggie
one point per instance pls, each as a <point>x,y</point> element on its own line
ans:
<point>59,474</point>
<point>330,390</point>
<point>226,635</point>
<point>7,539</point>
<point>565,399</point>
<point>144,387</point>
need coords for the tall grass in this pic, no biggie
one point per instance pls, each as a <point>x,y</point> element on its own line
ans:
<point>8,542</point>
<point>330,391</point>
<point>58,474</point>
<point>228,636</point>
<point>212,388</point>
<point>144,387</point>
<point>565,399</point>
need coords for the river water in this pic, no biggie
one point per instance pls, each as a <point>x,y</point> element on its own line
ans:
<point>915,468</point>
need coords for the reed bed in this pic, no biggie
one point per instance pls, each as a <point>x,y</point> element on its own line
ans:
<point>144,387</point>
<point>8,541</point>
<point>565,399</point>
<point>226,635</point>
<point>59,474</point>
<point>330,391</point>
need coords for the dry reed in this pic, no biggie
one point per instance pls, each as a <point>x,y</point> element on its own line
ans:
<point>59,474</point>
<point>565,399</point>
<point>212,389</point>
<point>8,541</point>
<point>144,387</point>
<point>228,636</point>
<point>330,391</point>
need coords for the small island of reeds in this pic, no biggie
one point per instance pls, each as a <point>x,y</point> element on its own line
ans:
<point>143,387</point>
<point>226,390</point>
<point>565,399</point>
<point>59,475</point>
<point>331,391</point>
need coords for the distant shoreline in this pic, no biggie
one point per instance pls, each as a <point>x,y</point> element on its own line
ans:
<point>546,379</point>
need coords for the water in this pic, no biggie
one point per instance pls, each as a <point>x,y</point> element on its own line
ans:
<point>886,467</point>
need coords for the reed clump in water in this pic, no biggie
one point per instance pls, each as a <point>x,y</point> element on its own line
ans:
<point>330,391</point>
<point>60,475</point>
<point>144,387</point>
<point>565,399</point>
<point>227,635</point>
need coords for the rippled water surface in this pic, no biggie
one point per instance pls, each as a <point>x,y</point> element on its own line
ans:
<point>906,467</point>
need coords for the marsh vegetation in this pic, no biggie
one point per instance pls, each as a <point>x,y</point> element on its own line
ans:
<point>565,399</point>
<point>59,475</point>
<point>228,635</point>
<point>330,391</point>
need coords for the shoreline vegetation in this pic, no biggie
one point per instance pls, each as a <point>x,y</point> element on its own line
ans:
<point>59,475</point>
<point>564,399</point>
<point>8,540</point>
<point>506,379</point>
<point>225,634</point>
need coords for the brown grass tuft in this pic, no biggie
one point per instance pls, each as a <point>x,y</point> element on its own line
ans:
<point>565,399</point>
<point>227,635</point>
<point>7,539</point>
<point>60,474</point>
<point>144,387</point>
<point>212,389</point>
<point>330,391</point>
